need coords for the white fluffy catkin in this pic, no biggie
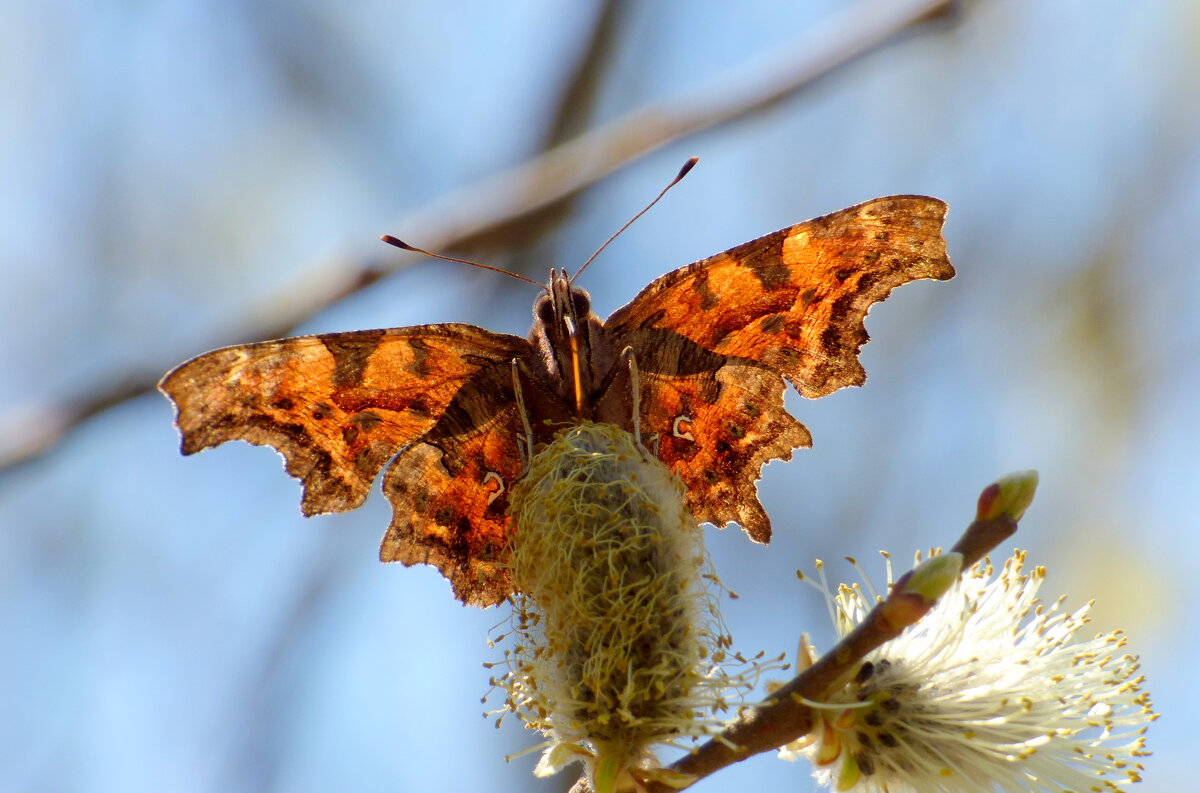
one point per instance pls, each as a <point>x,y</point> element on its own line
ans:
<point>617,638</point>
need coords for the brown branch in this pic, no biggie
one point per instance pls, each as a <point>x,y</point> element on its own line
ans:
<point>782,717</point>
<point>577,100</point>
<point>495,205</point>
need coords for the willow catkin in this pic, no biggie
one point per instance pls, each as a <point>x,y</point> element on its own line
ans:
<point>618,639</point>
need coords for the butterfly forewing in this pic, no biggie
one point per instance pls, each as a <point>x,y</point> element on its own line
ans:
<point>336,406</point>
<point>795,300</point>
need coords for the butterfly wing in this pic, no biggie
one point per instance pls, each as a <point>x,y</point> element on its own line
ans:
<point>714,337</point>
<point>339,406</point>
<point>449,490</point>
<point>717,421</point>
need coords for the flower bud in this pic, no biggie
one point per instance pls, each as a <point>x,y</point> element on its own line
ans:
<point>1008,496</point>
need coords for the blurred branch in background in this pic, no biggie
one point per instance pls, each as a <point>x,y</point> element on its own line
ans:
<point>491,209</point>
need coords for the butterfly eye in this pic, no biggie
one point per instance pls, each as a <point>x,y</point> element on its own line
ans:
<point>543,310</point>
<point>581,303</point>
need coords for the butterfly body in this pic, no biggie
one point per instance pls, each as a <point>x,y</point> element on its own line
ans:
<point>574,358</point>
<point>449,404</point>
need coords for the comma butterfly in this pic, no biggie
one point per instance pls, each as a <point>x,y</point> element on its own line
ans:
<point>696,362</point>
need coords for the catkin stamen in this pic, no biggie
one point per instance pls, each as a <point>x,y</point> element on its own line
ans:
<point>616,633</point>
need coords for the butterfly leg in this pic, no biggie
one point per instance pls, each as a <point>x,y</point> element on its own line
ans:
<point>527,454</point>
<point>635,393</point>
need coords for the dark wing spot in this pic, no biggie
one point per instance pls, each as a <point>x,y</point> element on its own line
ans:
<point>867,280</point>
<point>840,309</point>
<point>808,296</point>
<point>367,420</point>
<point>655,318</point>
<point>772,275</point>
<point>283,403</point>
<point>351,352</point>
<point>420,351</point>
<point>350,434</point>
<point>682,356</point>
<point>708,300</point>
<point>321,411</point>
<point>419,406</point>
<point>772,323</point>
<point>766,263</point>
<point>831,340</point>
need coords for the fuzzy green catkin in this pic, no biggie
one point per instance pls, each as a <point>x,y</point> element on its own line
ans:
<point>615,647</point>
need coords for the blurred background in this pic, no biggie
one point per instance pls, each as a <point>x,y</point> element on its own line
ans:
<point>176,176</point>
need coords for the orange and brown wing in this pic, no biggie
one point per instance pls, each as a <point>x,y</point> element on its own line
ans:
<point>795,300</point>
<point>717,421</point>
<point>790,304</point>
<point>449,491</point>
<point>336,406</point>
<point>339,406</point>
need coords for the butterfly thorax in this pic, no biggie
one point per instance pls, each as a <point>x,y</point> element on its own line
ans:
<point>576,359</point>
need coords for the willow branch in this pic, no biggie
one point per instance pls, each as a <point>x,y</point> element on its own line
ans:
<point>783,717</point>
<point>494,206</point>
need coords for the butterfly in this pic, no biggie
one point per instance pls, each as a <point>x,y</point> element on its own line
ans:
<point>695,365</point>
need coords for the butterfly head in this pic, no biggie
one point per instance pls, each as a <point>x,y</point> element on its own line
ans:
<point>564,304</point>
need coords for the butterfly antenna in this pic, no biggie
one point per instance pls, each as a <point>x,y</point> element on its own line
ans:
<point>687,166</point>
<point>390,240</point>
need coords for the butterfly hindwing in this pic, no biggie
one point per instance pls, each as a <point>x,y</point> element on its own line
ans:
<point>449,490</point>
<point>717,422</point>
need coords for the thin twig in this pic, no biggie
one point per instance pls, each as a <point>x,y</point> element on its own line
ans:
<point>493,206</point>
